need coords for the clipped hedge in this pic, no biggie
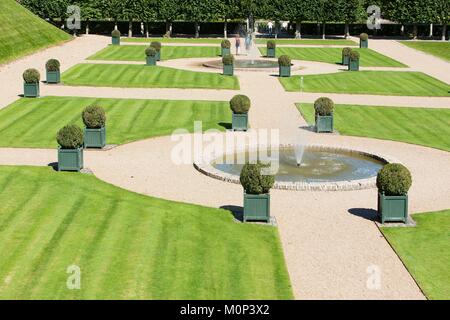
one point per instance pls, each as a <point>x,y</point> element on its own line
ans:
<point>52,65</point>
<point>354,55</point>
<point>324,106</point>
<point>284,61</point>
<point>228,59</point>
<point>226,44</point>
<point>253,181</point>
<point>271,44</point>
<point>94,117</point>
<point>394,180</point>
<point>346,52</point>
<point>240,104</point>
<point>364,36</point>
<point>31,76</point>
<point>70,137</point>
<point>157,45</point>
<point>115,33</point>
<point>150,52</point>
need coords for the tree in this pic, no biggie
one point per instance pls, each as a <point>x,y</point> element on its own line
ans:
<point>226,9</point>
<point>129,12</point>
<point>197,11</point>
<point>146,12</point>
<point>322,11</point>
<point>48,9</point>
<point>168,11</point>
<point>441,12</point>
<point>90,10</point>
<point>349,11</point>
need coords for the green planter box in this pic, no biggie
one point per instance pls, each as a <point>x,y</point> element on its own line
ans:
<point>95,138</point>
<point>240,122</point>
<point>285,71</point>
<point>225,51</point>
<point>364,44</point>
<point>53,77</point>
<point>115,41</point>
<point>158,55</point>
<point>31,90</point>
<point>151,61</point>
<point>324,123</point>
<point>256,207</point>
<point>271,53</point>
<point>228,70</point>
<point>345,60</point>
<point>70,159</point>
<point>393,208</point>
<point>353,65</point>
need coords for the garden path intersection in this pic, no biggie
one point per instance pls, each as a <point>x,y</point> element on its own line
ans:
<point>330,241</point>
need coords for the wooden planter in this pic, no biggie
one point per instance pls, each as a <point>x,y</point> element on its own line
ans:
<point>285,71</point>
<point>95,138</point>
<point>256,207</point>
<point>353,65</point>
<point>53,77</point>
<point>345,60</point>
<point>271,52</point>
<point>225,51</point>
<point>31,90</point>
<point>364,44</point>
<point>70,159</point>
<point>240,122</point>
<point>392,208</point>
<point>324,123</point>
<point>228,70</point>
<point>115,41</point>
<point>151,61</point>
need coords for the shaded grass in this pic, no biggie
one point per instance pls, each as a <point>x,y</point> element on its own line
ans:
<point>137,53</point>
<point>141,76</point>
<point>35,122</point>
<point>175,40</point>
<point>22,33</point>
<point>437,49</point>
<point>421,126</point>
<point>327,42</point>
<point>369,58</point>
<point>425,250</point>
<point>127,246</point>
<point>395,83</point>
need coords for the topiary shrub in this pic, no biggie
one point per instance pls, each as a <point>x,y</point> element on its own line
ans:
<point>346,52</point>
<point>150,52</point>
<point>324,106</point>
<point>52,65</point>
<point>228,59</point>
<point>354,55</point>
<point>364,36</point>
<point>284,61</point>
<point>226,44</point>
<point>394,180</point>
<point>31,76</point>
<point>271,44</point>
<point>94,117</point>
<point>115,33</point>
<point>157,45</point>
<point>253,181</point>
<point>70,137</point>
<point>240,104</point>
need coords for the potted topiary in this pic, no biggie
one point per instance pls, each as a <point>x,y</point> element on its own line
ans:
<point>393,182</point>
<point>225,47</point>
<point>364,40</point>
<point>271,49</point>
<point>353,64</point>
<point>324,114</point>
<point>31,78</point>
<point>94,119</point>
<point>53,73</point>
<point>284,63</point>
<point>240,105</point>
<point>151,53</point>
<point>70,151</point>
<point>346,56</point>
<point>256,192</point>
<point>115,37</point>
<point>157,45</point>
<point>228,64</point>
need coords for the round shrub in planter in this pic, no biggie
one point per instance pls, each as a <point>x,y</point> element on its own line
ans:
<point>228,64</point>
<point>52,68</point>
<point>70,152</point>
<point>256,192</point>
<point>31,78</point>
<point>240,105</point>
<point>271,49</point>
<point>354,61</point>
<point>115,37</point>
<point>364,40</point>
<point>346,56</point>
<point>324,114</point>
<point>393,183</point>
<point>94,119</point>
<point>284,63</point>
<point>225,47</point>
<point>151,53</point>
<point>157,45</point>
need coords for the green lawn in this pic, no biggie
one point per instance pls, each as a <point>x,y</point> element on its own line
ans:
<point>35,122</point>
<point>175,40</point>
<point>395,83</point>
<point>369,58</point>
<point>127,246</point>
<point>137,53</point>
<point>141,76</point>
<point>327,42</point>
<point>22,33</point>
<point>438,49</point>
<point>422,126</point>
<point>425,250</point>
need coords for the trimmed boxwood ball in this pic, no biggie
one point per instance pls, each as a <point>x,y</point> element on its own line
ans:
<point>253,181</point>
<point>150,52</point>
<point>346,52</point>
<point>94,117</point>
<point>364,36</point>
<point>31,76</point>
<point>354,55</point>
<point>240,104</point>
<point>394,180</point>
<point>157,45</point>
<point>324,106</point>
<point>271,44</point>
<point>284,61</point>
<point>228,60</point>
<point>226,44</point>
<point>70,137</point>
<point>52,65</point>
<point>115,33</point>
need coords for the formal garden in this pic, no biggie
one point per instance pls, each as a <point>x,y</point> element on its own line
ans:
<point>134,148</point>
